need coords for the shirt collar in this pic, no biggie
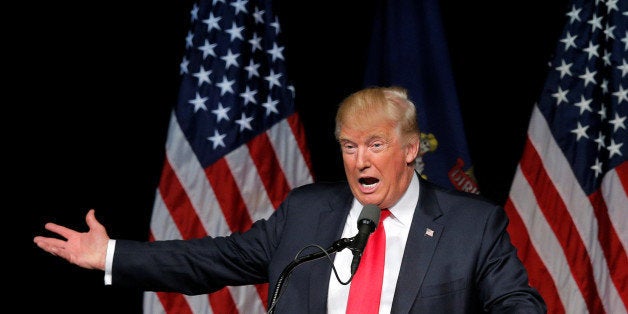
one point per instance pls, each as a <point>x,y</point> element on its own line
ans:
<point>403,210</point>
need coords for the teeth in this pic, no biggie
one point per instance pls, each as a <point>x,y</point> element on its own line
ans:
<point>369,185</point>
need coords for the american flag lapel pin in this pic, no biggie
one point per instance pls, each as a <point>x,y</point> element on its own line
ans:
<point>429,232</point>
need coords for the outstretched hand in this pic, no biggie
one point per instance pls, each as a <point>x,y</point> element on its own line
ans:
<point>85,249</point>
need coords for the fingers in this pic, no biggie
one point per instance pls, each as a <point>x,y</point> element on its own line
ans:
<point>48,242</point>
<point>50,245</point>
<point>60,230</point>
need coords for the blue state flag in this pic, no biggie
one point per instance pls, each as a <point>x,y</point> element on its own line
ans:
<point>408,49</point>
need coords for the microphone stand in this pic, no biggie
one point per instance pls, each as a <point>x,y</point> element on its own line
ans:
<point>337,246</point>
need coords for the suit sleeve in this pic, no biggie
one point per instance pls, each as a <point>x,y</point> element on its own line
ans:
<point>199,266</point>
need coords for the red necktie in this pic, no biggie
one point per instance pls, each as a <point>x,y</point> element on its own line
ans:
<point>366,285</point>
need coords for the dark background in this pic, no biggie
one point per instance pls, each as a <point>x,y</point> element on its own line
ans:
<point>96,83</point>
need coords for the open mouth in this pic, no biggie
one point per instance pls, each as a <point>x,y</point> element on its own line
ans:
<point>368,182</point>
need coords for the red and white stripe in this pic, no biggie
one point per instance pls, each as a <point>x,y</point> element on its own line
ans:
<point>246,185</point>
<point>572,244</point>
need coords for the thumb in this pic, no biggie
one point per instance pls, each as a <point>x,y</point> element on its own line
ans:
<point>91,220</point>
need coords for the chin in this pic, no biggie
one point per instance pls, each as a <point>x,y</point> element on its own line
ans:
<point>369,200</point>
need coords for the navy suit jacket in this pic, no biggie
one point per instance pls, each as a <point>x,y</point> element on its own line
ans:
<point>468,264</point>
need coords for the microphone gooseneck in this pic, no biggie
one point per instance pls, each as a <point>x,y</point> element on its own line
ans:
<point>367,222</point>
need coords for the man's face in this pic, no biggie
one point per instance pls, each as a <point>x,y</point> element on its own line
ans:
<point>376,162</point>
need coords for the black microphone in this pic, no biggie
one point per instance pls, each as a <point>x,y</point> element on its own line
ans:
<point>367,222</point>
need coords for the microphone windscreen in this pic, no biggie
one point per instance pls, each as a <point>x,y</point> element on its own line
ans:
<point>370,212</point>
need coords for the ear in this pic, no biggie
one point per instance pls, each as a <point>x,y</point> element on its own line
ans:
<point>412,149</point>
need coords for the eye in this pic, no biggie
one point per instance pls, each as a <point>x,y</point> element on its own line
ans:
<point>377,146</point>
<point>348,148</point>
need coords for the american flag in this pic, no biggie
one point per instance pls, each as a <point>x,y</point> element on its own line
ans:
<point>568,203</point>
<point>235,145</point>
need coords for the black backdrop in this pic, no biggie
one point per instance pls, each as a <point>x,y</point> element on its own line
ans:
<point>100,79</point>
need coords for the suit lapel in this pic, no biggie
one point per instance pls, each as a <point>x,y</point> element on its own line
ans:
<point>420,246</point>
<point>329,230</point>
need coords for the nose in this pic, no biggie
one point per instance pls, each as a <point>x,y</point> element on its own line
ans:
<point>363,159</point>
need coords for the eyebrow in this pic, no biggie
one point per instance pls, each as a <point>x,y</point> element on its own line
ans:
<point>369,139</point>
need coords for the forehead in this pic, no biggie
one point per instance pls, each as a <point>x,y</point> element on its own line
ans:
<point>368,129</point>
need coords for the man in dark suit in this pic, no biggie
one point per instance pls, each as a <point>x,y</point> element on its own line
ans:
<point>446,251</point>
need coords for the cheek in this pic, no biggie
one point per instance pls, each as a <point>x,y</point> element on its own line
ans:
<point>349,159</point>
<point>389,164</point>
<point>397,164</point>
<point>347,162</point>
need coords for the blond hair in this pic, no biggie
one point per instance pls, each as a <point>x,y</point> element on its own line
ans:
<point>376,102</point>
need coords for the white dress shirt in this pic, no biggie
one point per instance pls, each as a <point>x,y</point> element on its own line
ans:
<point>397,227</point>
